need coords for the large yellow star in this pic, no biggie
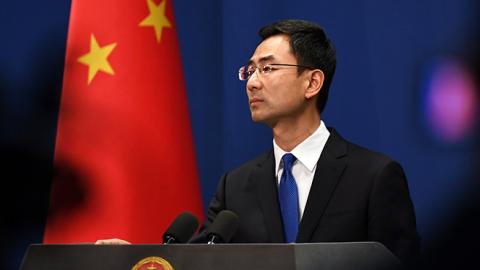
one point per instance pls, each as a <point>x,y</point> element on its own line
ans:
<point>96,59</point>
<point>157,18</point>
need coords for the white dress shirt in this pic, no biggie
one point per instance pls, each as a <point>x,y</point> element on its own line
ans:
<point>303,169</point>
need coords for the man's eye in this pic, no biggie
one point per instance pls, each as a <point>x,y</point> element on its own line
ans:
<point>250,71</point>
<point>267,69</point>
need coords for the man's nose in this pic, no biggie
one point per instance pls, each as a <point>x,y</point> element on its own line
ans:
<point>254,82</point>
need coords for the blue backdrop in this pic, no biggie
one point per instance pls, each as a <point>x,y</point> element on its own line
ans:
<point>386,50</point>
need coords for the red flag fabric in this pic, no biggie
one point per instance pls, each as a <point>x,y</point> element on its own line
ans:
<point>124,156</point>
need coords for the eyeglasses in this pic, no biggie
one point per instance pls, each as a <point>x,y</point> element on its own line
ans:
<point>245,72</point>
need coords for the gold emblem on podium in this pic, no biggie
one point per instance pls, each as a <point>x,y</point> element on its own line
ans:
<point>153,263</point>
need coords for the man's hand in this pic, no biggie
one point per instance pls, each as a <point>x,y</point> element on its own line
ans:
<point>114,241</point>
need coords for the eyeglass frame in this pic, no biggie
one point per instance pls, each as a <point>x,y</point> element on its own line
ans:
<point>262,70</point>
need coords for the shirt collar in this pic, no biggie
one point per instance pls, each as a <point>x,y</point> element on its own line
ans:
<point>307,152</point>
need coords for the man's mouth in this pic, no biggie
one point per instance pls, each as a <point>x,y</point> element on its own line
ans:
<point>254,101</point>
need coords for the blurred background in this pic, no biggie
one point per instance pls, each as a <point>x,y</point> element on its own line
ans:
<point>407,84</point>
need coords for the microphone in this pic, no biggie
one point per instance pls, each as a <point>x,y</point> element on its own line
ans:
<point>223,227</point>
<point>181,229</point>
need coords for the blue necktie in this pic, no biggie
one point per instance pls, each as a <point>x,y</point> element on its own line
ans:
<point>288,194</point>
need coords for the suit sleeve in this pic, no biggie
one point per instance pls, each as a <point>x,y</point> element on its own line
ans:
<point>216,205</point>
<point>391,214</point>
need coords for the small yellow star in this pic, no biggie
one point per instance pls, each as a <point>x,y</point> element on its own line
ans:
<point>157,18</point>
<point>96,59</point>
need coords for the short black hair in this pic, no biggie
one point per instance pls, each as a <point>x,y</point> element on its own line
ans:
<point>311,47</point>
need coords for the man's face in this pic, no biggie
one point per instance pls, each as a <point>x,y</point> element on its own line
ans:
<point>277,94</point>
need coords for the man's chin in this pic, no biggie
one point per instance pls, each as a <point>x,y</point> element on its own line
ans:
<point>257,118</point>
<point>261,119</point>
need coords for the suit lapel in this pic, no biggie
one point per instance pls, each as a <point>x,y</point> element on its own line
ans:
<point>263,177</point>
<point>330,166</point>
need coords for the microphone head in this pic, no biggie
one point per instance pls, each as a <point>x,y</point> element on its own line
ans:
<point>181,229</point>
<point>223,227</point>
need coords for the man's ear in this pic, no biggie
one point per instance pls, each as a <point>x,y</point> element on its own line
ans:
<point>315,83</point>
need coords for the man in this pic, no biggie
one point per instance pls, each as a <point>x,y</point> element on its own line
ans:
<point>313,186</point>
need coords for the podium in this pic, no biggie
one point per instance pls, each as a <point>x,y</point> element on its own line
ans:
<point>309,256</point>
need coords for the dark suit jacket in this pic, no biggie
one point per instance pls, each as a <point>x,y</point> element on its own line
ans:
<point>356,195</point>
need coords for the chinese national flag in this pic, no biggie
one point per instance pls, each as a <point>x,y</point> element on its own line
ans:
<point>124,156</point>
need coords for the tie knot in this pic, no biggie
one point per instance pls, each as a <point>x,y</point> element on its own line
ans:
<point>288,160</point>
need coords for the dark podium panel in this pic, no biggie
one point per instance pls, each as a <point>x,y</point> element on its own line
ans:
<point>333,256</point>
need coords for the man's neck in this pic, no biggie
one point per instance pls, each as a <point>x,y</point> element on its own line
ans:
<point>289,134</point>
